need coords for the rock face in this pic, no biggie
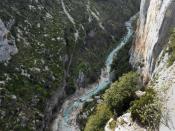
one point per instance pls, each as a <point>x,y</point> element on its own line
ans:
<point>156,19</point>
<point>148,55</point>
<point>7,43</point>
<point>164,83</point>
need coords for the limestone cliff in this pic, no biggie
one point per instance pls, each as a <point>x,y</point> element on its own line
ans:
<point>156,19</point>
<point>150,57</point>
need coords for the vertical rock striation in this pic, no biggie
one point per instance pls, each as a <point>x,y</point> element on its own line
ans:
<point>164,83</point>
<point>148,56</point>
<point>156,19</point>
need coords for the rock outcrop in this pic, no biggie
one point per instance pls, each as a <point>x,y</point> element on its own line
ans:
<point>124,123</point>
<point>163,81</point>
<point>7,42</point>
<point>156,19</point>
<point>148,55</point>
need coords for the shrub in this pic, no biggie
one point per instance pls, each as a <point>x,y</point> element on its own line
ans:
<point>112,124</point>
<point>97,121</point>
<point>147,110</point>
<point>122,92</point>
<point>172,48</point>
<point>117,97</point>
<point>120,63</point>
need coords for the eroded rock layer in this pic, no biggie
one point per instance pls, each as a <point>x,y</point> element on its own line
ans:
<point>156,19</point>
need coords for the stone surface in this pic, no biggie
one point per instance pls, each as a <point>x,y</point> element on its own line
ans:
<point>125,123</point>
<point>156,19</point>
<point>139,93</point>
<point>164,83</point>
<point>7,43</point>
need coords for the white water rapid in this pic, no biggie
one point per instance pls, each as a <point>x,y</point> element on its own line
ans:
<point>66,118</point>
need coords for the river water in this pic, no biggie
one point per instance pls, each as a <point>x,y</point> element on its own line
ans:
<point>66,118</point>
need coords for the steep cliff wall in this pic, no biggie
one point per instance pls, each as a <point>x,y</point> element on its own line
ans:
<point>149,54</point>
<point>163,81</point>
<point>156,19</point>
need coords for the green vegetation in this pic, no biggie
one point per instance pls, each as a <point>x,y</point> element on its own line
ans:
<point>117,97</point>
<point>89,108</point>
<point>112,124</point>
<point>172,48</point>
<point>147,110</point>
<point>97,121</point>
<point>120,63</point>
<point>122,92</point>
<point>37,70</point>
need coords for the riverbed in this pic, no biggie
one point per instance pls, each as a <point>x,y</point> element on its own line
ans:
<point>67,116</point>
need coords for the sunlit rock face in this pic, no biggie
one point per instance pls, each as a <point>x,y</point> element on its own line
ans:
<point>164,83</point>
<point>7,42</point>
<point>156,19</point>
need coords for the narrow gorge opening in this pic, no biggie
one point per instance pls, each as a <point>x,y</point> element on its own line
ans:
<point>93,65</point>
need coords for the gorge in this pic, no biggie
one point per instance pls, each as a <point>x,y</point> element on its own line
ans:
<point>151,56</point>
<point>67,118</point>
<point>71,65</point>
<point>156,19</point>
